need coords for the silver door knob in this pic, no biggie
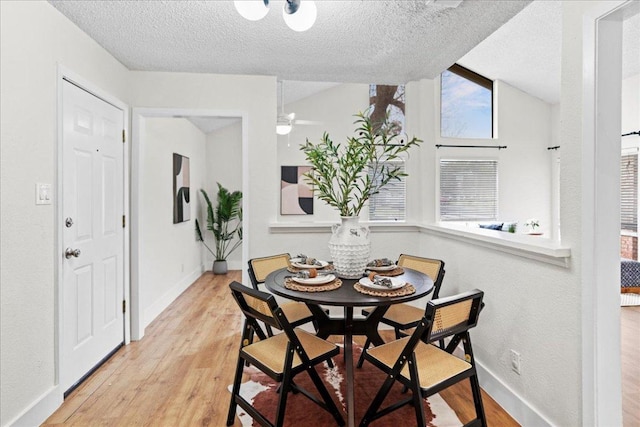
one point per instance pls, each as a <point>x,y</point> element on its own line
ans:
<point>68,253</point>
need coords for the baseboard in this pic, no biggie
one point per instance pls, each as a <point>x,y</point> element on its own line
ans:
<point>39,410</point>
<point>163,302</point>
<point>521,410</point>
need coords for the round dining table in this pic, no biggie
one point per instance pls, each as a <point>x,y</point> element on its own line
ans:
<point>348,297</point>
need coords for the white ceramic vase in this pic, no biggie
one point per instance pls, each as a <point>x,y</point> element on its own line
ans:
<point>350,247</point>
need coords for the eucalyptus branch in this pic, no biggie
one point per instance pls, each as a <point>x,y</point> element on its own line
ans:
<point>340,173</point>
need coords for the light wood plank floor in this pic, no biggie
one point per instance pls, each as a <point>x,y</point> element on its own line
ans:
<point>178,374</point>
<point>630,337</point>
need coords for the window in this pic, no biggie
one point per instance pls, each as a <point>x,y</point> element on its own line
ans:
<point>466,104</point>
<point>468,190</point>
<point>389,204</point>
<point>387,100</point>
<point>629,192</point>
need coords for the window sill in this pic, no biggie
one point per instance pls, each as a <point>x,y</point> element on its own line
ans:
<point>532,247</point>
<point>325,227</point>
<point>528,246</point>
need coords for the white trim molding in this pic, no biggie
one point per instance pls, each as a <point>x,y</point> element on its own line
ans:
<point>40,409</point>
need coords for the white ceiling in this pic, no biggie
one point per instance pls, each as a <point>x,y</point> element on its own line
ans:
<point>363,41</point>
<point>385,42</point>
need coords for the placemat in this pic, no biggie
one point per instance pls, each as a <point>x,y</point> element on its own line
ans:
<point>295,286</point>
<point>408,289</point>
<point>395,272</point>
<point>292,269</point>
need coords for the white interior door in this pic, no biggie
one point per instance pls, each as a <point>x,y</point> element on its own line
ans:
<point>93,233</point>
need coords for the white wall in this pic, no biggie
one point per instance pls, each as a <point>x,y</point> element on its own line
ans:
<point>172,258</point>
<point>631,111</point>
<point>532,307</point>
<point>35,38</point>
<point>223,165</point>
<point>524,125</point>
<point>253,98</point>
<point>333,109</point>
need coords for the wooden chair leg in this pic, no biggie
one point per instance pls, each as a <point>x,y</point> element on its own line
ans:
<point>285,387</point>
<point>477,400</point>
<point>417,395</point>
<point>367,343</point>
<point>235,391</point>
<point>377,401</point>
<point>324,393</point>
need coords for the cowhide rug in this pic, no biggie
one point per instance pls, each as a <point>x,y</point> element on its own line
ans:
<point>300,411</point>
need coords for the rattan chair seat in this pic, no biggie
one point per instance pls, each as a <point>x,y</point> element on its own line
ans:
<point>296,311</point>
<point>404,314</point>
<point>434,365</point>
<point>272,352</point>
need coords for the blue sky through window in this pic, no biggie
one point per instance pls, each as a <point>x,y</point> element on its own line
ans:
<point>465,108</point>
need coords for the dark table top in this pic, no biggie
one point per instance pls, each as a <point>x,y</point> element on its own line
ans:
<point>346,295</point>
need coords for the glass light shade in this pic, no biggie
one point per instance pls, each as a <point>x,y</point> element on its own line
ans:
<point>253,10</point>
<point>283,128</point>
<point>303,18</point>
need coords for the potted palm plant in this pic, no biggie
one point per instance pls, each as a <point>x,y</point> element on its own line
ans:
<point>225,223</point>
<point>346,176</point>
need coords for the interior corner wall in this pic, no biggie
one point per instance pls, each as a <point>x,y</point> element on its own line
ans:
<point>224,166</point>
<point>548,390</point>
<point>333,111</point>
<point>631,111</point>
<point>172,257</point>
<point>34,39</point>
<point>524,126</point>
<point>253,98</point>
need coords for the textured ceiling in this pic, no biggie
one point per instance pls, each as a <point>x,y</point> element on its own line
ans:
<point>526,51</point>
<point>366,41</point>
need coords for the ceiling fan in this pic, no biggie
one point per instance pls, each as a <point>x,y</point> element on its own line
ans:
<point>285,122</point>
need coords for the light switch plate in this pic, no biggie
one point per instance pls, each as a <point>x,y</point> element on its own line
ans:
<point>43,194</point>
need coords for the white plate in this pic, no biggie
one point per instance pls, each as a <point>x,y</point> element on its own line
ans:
<point>395,284</point>
<point>385,268</point>
<point>296,263</point>
<point>318,280</point>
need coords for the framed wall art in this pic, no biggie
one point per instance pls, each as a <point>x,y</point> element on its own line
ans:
<point>181,206</point>
<point>296,196</point>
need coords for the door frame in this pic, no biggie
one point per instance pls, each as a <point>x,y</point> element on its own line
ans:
<point>601,91</point>
<point>138,147</point>
<point>64,73</point>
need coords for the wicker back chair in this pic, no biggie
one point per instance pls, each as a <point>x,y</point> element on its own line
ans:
<point>405,316</point>
<point>281,357</point>
<point>259,268</point>
<point>424,368</point>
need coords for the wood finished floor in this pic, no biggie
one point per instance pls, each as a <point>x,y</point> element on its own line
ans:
<point>630,338</point>
<point>178,374</point>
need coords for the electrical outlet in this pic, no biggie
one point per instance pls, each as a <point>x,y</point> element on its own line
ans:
<point>515,361</point>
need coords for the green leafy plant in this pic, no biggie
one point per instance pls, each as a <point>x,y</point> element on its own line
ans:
<point>224,221</point>
<point>346,176</point>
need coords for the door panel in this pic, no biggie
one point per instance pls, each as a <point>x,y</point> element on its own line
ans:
<point>93,197</point>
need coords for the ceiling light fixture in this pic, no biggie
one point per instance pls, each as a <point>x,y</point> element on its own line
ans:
<point>283,124</point>
<point>298,15</point>
<point>253,10</point>
<point>283,127</point>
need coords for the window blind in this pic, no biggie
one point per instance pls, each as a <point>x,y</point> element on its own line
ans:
<point>468,190</point>
<point>390,203</point>
<point>629,192</point>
